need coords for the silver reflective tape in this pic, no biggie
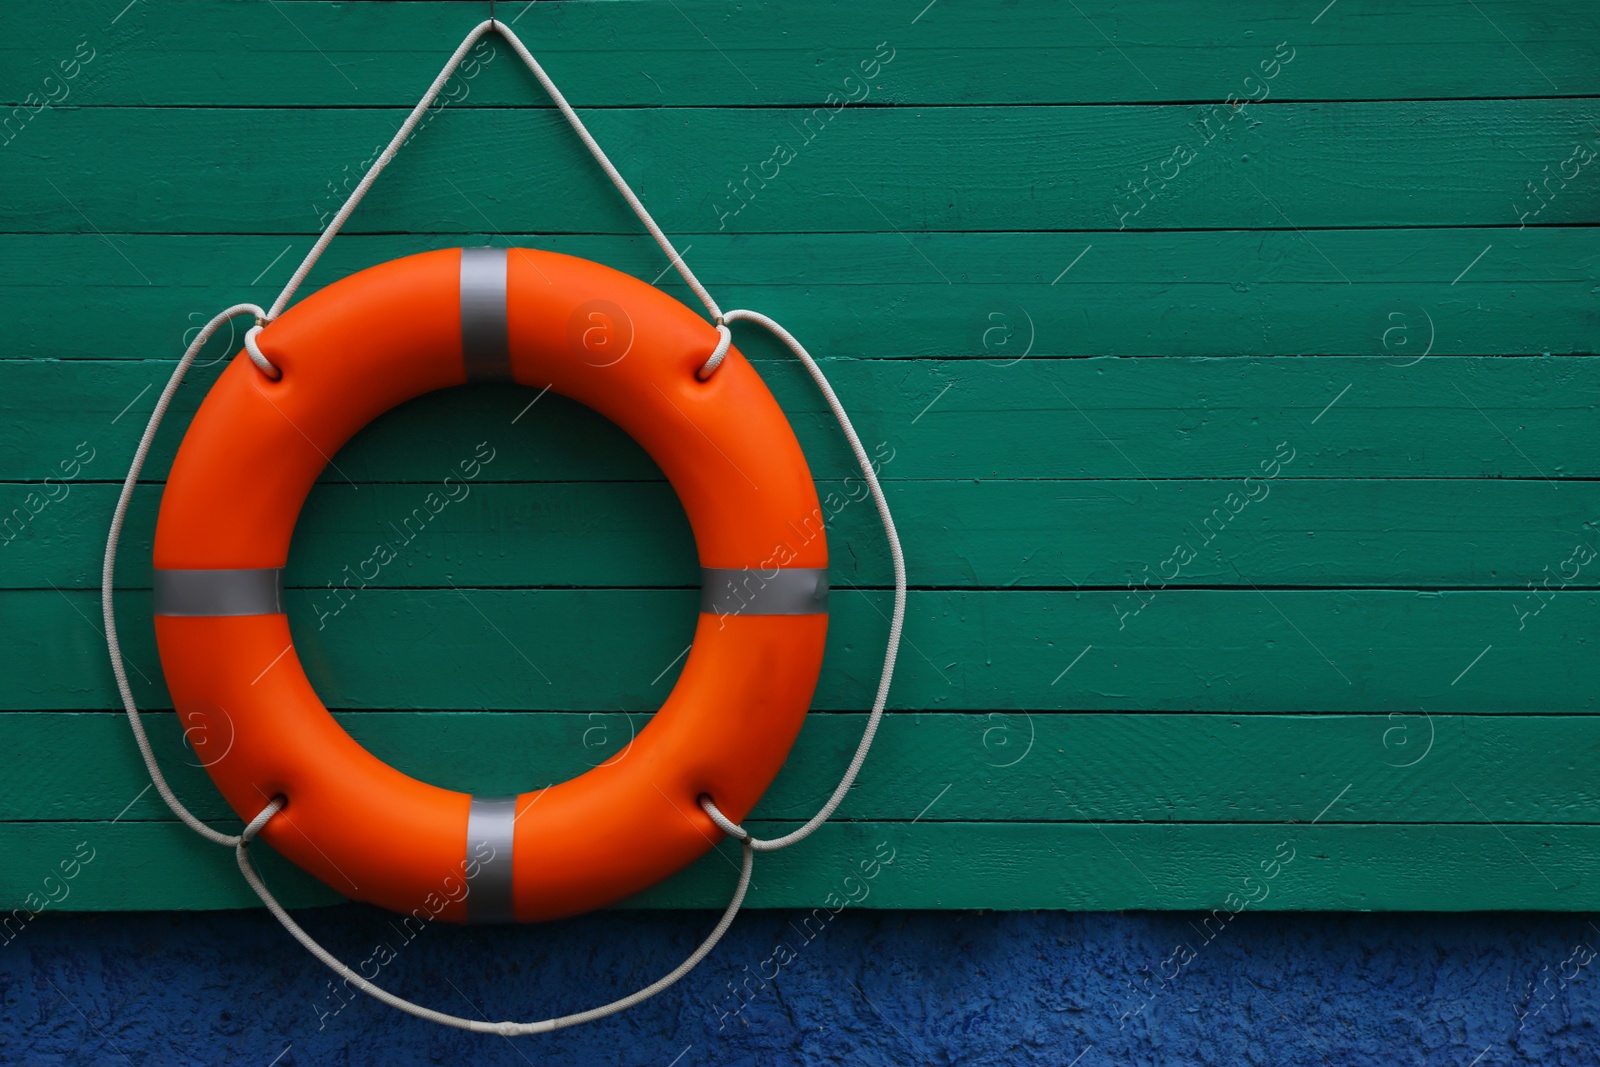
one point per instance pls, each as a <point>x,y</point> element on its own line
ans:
<point>253,591</point>
<point>491,827</point>
<point>754,591</point>
<point>485,343</point>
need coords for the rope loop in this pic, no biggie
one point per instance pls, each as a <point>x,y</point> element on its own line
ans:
<point>869,474</point>
<point>263,364</point>
<point>483,1026</point>
<point>274,806</point>
<point>725,824</point>
<point>108,569</point>
<point>718,354</point>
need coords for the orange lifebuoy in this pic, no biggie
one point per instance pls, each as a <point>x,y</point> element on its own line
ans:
<point>381,337</point>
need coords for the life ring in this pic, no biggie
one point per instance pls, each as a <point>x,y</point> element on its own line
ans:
<point>393,332</point>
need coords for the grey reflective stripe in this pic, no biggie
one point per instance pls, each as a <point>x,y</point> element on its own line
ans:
<point>255,591</point>
<point>491,824</point>
<point>754,591</point>
<point>485,344</point>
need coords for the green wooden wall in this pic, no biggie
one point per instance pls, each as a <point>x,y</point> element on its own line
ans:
<point>1234,363</point>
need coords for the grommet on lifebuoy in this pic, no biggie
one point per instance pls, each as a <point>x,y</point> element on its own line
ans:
<point>393,332</point>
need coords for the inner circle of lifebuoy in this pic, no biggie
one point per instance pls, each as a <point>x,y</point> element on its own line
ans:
<point>391,333</point>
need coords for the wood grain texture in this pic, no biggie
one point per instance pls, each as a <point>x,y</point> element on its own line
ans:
<point>1345,417</point>
<point>1239,650</point>
<point>1131,677</point>
<point>1010,865</point>
<point>870,295</point>
<point>990,534</point>
<point>1400,767</point>
<point>650,54</point>
<point>1281,166</point>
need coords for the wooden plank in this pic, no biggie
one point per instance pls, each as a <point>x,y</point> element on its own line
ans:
<point>1133,292</point>
<point>1240,866</point>
<point>653,54</point>
<point>1093,650</point>
<point>1344,417</point>
<point>970,534</point>
<point>1000,766</point>
<point>1406,163</point>
<point>1407,716</point>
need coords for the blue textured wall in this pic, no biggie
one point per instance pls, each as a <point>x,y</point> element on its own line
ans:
<point>871,988</point>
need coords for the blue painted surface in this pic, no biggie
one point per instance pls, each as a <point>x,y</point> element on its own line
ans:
<point>868,988</point>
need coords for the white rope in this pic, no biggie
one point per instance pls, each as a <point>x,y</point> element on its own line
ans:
<point>895,623</point>
<point>388,153</point>
<point>611,172</point>
<point>108,575</point>
<point>404,132</point>
<point>482,1026</point>
<point>241,842</point>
